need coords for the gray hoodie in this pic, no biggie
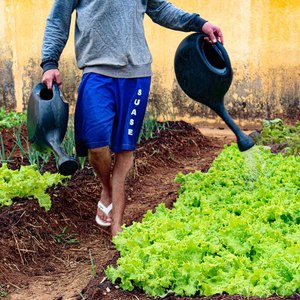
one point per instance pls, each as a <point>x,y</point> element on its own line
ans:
<point>109,34</point>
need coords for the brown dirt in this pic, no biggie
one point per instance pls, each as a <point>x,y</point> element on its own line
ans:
<point>62,254</point>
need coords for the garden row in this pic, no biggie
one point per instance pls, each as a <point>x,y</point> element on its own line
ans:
<point>232,230</point>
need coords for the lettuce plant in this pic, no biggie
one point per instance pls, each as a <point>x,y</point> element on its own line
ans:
<point>234,229</point>
<point>26,182</point>
<point>11,119</point>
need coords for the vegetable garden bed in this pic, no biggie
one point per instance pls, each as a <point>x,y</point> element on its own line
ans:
<point>52,248</point>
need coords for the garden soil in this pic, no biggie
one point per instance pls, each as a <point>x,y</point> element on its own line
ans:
<point>61,254</point>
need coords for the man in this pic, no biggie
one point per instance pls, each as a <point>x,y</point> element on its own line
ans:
<point>112,52</point>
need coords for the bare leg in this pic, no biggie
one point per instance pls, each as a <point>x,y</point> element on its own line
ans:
<point>100,159</point>
<point>122,166</point>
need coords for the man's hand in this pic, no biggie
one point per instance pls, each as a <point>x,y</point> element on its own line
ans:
<point>50,76</point>
<point>214,32</point>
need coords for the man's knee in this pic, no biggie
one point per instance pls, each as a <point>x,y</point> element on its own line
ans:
<point>99,150</point>
<point>124,155</point>
<point>124,162</point>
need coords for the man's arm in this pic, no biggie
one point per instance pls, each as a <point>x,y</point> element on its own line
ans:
<point>166,14</point>
<point>55,38</point>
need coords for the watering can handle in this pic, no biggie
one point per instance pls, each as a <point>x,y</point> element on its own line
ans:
<point>219,47</point>
<point>56,90</point>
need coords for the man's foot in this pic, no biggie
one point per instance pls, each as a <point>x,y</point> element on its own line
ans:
<point>115,229</point>
<point>103,217</point>
<point>103,208</point>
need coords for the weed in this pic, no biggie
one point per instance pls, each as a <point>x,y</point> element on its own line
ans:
<point>34,157</point>
<point>68,143</point>
<point>151,125</point>
<point>171,156</point>
<point>3,158</point>
<point>81,161</point>
<point>66,238</point>
<point>93,270</point>
<point>3,292</point>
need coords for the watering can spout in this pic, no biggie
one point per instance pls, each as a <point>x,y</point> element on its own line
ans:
<point>47,121</point>
<point>244,141</point>
<point>204,73</point>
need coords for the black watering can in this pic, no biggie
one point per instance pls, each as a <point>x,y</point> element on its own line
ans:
<point>204,73</point>
<point>47,121</point>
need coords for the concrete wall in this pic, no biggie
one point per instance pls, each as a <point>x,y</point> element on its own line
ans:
<point>261,38</point>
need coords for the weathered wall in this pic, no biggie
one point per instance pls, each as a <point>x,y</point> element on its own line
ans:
<point>261,38</point>
<point>22,24</point>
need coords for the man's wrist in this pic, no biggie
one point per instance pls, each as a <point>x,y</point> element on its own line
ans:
<point>198,23</point>
<point>49,65</point>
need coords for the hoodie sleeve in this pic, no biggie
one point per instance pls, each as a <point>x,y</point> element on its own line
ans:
<point>56,32</point>
<point>166,14</point>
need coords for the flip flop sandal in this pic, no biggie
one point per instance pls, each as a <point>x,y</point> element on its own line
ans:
<point>106,210</point>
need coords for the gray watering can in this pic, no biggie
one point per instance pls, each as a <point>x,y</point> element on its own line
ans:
<point>47,121</point>
<point>204,73</point>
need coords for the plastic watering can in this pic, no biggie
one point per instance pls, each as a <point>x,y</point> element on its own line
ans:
<point>47,121</point>
<point>204,73</point>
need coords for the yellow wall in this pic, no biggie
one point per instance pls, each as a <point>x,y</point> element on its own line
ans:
<point>261,38</point>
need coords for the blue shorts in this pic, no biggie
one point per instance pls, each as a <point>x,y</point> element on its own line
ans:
<point>109,112</point>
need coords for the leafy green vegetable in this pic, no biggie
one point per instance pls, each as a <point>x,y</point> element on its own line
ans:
<point>234,229</point>
<point>280,137</point>
<point>26,182</point>
<point>11,119</point>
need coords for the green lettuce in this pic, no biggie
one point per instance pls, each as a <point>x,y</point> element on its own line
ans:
<point>26,182</point>
<point>234,229</point>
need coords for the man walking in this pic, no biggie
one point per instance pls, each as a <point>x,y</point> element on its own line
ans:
<point>112,52</point>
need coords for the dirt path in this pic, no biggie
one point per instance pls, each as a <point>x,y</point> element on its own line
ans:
<point>73,269</point>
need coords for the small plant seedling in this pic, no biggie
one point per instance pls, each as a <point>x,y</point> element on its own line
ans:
<point>93,270</point>
<point>66,238</point>
<point>3,292</point>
